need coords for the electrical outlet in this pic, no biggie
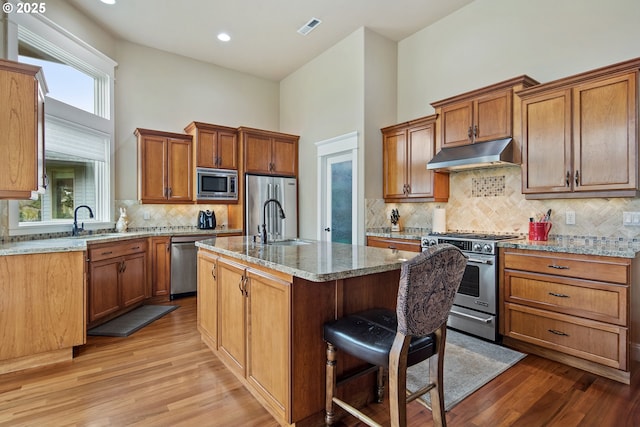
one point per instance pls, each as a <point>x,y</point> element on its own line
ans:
<point>146,215</point>
<point>631,218</point>
<point>570,218</point>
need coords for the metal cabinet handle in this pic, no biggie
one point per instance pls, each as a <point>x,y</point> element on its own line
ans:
<point>567,178</point>
<point>562,334</point>
<point>45,179</point>
<point>558,267</point>
<point>475,131</point>
<point>469,132</point>
<point>408,189</point>
<point>107,253</point>
<point>553,294</point>
<point>577,178</point>
<point>213,272</point>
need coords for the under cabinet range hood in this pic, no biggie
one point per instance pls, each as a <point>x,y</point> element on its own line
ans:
<point>474,156</point>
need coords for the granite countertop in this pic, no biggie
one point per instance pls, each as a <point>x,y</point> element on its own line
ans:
<point>576,246</point>
<point>313,260</point>
<point>79,243</point>
<point>409,233</point>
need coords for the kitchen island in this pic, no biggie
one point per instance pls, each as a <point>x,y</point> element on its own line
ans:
<point>261,309</point>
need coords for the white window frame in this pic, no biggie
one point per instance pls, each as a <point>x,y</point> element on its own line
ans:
<point>103,122</point>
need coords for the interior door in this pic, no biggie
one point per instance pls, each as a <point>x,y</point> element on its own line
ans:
<point>339,211</point>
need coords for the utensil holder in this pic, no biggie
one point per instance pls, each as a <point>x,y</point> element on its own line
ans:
<point>539,231</point>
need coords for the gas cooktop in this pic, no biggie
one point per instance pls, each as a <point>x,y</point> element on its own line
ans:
<point>476,236</point>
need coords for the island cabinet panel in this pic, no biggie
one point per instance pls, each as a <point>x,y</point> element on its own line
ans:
<point>269,324</point>
<point>580,135</point>
<point>160,266</point>
<point>42,311</point>
<point>232,314</point>
<point>117,280</point>
<point>208,298</point>
<point>569,307</point>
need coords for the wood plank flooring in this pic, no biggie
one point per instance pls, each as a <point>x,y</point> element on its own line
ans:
<point>163,375</point>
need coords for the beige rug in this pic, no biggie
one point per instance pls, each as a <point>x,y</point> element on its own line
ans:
<point>469,363</point>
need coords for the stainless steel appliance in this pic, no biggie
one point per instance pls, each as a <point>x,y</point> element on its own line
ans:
<point>216,184</point>
<point>259,190</point>
<point>475,308</point>
<point>184,278</point>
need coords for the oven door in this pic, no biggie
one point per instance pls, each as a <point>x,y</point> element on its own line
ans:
<point>474,310</point>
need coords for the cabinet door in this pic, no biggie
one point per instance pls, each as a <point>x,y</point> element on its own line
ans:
<point>19,138</point>
<point>268,358</point>
<point>257,153</point>
<point>207,155</point>
<point>152,152</point>
<point>457,120</point>
<point>546,143</point>
<point>492,116</point>
<point>133,279</point>
<point>232,315</point>
<point>179,170</point>
<point>605,134</point>
<point>208,296</point>
<point>227,150</point>
<point>104,297</point>
<point>284,156</point>
<point>420,148</point>
<point>160,266</point>
<point>394,166</point>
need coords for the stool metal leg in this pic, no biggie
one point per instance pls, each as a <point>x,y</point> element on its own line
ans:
<point>330,385</point>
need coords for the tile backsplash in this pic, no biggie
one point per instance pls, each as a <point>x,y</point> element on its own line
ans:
<point>491,200</point>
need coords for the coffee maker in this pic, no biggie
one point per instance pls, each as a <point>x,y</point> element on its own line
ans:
<point>206,220</point>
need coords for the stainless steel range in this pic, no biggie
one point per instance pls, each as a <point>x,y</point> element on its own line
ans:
<point>475,308</point>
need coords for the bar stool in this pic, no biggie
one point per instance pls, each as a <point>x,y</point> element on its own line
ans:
<point>396,340</point>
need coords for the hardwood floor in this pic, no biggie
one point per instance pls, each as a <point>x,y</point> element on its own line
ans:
<point>163,375</point>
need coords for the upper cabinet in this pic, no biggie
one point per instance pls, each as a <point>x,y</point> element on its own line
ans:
<point>22,89</point>
<point>165,162</point>
<point>580,135</point>
<point>270,153</point>
<point>215,146</point>
<point>406,149</point>
<point>481,115</point>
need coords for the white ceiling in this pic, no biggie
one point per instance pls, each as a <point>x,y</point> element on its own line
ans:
<point>265,41</point>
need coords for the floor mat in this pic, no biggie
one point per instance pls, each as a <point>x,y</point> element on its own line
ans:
<point>132,321</point>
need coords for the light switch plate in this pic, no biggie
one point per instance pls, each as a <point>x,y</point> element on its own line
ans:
<point>570,217</point>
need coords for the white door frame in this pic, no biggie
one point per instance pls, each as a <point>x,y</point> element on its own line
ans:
<point>340,145</point>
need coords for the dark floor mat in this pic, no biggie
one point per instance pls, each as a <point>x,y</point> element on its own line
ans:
<point>132,321</point>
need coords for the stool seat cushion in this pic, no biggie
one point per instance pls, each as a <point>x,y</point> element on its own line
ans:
<point>369,336</point>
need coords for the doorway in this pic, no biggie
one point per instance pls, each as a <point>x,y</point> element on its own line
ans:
<point>337,192</point>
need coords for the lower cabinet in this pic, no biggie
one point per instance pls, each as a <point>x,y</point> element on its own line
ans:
<point>568,307</point>
<point>244,316</point>
<point>410,245</point>
<point>160,267</point>
<point>117,279</point>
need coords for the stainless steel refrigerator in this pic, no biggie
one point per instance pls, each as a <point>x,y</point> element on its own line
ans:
<point>258,190</point>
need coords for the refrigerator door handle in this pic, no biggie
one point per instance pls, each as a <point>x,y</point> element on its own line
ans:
<point>276,217</point>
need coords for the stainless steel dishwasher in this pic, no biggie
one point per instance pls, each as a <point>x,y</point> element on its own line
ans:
<point>184,266</point>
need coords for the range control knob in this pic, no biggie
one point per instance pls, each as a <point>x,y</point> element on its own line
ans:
<point>433,242</point>
<point>487,248</point>
<point>477,247</point>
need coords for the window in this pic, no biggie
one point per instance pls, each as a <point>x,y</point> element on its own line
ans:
<point>78,131</point>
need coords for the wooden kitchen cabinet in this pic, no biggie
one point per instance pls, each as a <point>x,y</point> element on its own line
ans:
<point>165,167</point>
<point>42,316</point>
<point>244,316</point>
<point>208,297</point>
<point>160,267</point>
<point>117,279</point>
<point>215,146</point>
<point>568,307</point>
<point>394,243</point>
<point>481,115</point>
<point>270,153</point>
<point>22,170</point>
<point>406,150</point>
<point>580,135</point>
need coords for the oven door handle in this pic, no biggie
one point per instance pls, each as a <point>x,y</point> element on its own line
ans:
<point>480,261</point>
<point>468,316</point>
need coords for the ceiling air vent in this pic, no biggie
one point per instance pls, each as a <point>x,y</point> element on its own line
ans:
<point>306,28</point>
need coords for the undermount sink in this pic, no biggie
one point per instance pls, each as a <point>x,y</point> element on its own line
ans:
<point>292,242</point>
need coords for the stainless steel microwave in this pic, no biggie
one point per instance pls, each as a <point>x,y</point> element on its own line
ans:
<point>216,184</point>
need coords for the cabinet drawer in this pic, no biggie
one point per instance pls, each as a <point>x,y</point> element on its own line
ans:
<point>389,243</point>
<point>114,250</point>
<point>594,341</point>
<point>592,268</point>
<point>594,300</point>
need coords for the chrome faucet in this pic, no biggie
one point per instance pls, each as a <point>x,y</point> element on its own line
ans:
<point>264,217</point>
<point>77,229</point>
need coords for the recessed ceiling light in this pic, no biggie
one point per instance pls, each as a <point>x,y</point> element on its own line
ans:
<point>108,1</point>
<point>224,37</point>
